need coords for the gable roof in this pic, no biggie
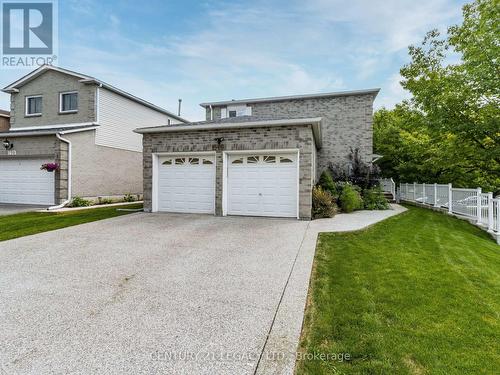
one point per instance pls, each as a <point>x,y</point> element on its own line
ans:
<point>4,113</point>
<point>13,87</point>
<point>293,97</point>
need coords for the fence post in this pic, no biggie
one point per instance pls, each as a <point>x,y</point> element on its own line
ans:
<point>479,205</point>
<point>450,198</point>
<point>490,212</point>
<point>407,196</point>
<point>414,192</point>
<point>424,195</point>
<point>435,195</point>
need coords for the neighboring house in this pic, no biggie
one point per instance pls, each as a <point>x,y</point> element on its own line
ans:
<point>82,124</point>
<point>4,120</point>
<point>256,157</point>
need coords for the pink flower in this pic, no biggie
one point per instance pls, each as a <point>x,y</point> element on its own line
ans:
<point>50,167</point>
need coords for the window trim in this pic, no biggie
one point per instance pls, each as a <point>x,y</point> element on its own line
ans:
<point>61,101</point>
<point>26,106</point>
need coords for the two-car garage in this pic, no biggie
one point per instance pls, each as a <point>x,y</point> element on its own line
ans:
<point>254,184</point>
<point>246,166</point>
<point>23,182</point>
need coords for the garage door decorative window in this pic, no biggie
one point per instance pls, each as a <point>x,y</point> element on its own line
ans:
<point>269,159</point>
<point>187,161</point>
<point>264,159</point>
<point>253,159</point>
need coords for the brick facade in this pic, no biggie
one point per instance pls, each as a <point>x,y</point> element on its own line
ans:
<point>269,138</point>
<point>347,122</point>
<point>50,84</point>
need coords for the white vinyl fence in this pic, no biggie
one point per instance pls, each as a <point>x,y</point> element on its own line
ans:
<point>472,204</point>
<point>388,186</point>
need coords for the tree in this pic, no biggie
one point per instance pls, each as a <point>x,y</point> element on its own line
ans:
<point>413,152</point>
<point>451,126</point>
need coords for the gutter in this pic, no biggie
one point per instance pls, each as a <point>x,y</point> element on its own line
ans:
<point>273,99</point>
<point>228,125</point>
<point>68,142</point>
<point>31,133</point>
<point>315,122</point>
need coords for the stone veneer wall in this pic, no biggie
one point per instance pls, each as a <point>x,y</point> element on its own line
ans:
<point>61,176</point>
<point>284,137</point>
<point>347,123</point>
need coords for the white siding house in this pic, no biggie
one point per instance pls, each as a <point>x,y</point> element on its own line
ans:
<point>118,116</point>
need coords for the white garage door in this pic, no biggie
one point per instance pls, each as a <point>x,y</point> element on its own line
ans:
<point>262,185</point>
<point>22,182</point>
<point>186,184</point>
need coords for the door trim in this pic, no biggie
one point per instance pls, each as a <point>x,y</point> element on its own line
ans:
<point>225,169</point>
<point>155,165</point>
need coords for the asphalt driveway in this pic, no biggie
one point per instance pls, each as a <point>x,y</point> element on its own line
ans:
<point>145,293</point>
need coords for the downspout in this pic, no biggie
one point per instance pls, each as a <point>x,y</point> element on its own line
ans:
<point>58,136</point>
<point>211,113</point>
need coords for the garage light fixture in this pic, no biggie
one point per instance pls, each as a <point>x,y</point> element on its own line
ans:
<point>8,145</point>
<point>219,140</point>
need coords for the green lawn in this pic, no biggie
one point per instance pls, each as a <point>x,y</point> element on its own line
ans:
<point>418,293</point>
<point>24,224</point>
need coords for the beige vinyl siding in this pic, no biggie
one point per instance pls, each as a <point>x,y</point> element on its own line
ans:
<point>119,116</point>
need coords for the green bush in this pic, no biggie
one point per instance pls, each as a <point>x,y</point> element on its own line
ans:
<point>80,202</point>
<point>129,198</point>
<point>327,184</point>
<point>374,199</point>
<point>323,203</point>
<point>350,199</point>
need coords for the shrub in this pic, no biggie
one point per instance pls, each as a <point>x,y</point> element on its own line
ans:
<point>350,199</point>
<point>80,202</point>
<point>374,199</point>
<point>327,184</point>
<point>323,203</point>
<point>356,171</point>
<point>129,198</point>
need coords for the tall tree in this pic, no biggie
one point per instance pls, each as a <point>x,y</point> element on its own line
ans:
<point>454,82</point>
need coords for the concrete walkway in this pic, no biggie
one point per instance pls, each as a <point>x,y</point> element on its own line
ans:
<point>278,356</point>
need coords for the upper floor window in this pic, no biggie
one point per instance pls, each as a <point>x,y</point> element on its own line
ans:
<point>68,102</point>
<point>236,111</point>
<point>33,105</point>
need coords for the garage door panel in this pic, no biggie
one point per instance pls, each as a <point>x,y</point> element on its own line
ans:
<point>24,183</point>
<point>263,188</point>
<point>186,187</point>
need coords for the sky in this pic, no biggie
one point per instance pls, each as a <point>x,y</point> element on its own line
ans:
<point>163,50</point>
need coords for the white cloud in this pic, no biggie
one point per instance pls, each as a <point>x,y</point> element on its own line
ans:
<point>257,49</point>
<point>395,23</point>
